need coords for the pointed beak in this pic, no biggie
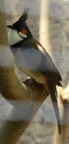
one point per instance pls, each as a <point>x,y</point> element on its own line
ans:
<point>11,27</point>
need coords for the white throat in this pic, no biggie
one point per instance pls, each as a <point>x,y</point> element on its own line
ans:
<point>13,37</point>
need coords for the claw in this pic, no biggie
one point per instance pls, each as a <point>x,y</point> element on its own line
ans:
<point>29,82</point>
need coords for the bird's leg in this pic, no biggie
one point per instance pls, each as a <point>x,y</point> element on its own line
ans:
<point>33,84</point>
<point>30,82</point>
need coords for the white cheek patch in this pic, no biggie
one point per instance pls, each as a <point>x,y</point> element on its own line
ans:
<point>22,35</point>
<point>13,37</point>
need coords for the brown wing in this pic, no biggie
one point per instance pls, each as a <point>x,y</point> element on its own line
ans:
<point>34,57</point>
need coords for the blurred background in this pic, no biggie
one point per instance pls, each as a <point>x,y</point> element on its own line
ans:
<point>49,23</point>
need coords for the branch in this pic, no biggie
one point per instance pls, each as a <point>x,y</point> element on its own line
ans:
<point>63,101</point>
<point>21,96</point>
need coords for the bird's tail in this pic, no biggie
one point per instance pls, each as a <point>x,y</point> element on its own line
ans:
<point>53,93</point>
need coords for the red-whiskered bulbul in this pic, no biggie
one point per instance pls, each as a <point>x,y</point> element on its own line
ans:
<point>33,59</point>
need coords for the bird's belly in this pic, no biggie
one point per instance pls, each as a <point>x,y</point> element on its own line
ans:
<point>37,75</point>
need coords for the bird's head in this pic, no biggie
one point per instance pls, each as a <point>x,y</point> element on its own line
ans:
<point>19,30</point>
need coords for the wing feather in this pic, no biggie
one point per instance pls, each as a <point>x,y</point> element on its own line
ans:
<point>35,58</point>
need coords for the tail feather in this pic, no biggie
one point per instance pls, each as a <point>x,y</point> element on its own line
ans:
<point>53,93</point>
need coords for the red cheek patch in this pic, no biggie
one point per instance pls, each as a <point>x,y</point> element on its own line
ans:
<point>24,31</point>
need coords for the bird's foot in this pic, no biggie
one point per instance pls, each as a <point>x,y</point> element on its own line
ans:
<point>35,86</point>
<point>30,82</point>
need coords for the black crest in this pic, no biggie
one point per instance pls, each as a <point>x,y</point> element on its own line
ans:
<point>21,21</point>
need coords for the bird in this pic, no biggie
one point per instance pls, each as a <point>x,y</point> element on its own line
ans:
<point>33,59</point>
